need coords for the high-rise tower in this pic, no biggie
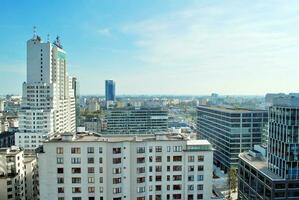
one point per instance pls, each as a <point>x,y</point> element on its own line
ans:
<point>110,90</point>
<point>48,102</point>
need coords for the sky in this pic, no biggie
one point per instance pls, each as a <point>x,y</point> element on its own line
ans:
<point>230,47</point>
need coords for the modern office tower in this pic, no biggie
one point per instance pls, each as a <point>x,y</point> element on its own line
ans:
<point>277,175</point>
<point>87,166</point>
<point>230,131</point>
<point>110,90</point>
<point>130,120</point>
<point>93,125</point>
<point>18,181</point>
<point>48,102</point>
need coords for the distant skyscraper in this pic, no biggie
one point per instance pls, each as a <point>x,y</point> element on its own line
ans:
<point>48,102</point>
<point>110,90</point>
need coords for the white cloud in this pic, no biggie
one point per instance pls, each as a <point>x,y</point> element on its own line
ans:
<point>104,31</point>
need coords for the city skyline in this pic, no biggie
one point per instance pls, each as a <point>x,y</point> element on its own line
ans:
<point>229,48</point>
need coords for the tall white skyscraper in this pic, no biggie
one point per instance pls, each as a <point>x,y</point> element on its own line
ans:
<point>48,102</point>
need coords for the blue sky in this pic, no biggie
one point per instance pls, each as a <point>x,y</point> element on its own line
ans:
<point>160,46</point>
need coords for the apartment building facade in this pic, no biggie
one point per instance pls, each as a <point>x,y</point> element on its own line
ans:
<point>125,167</point>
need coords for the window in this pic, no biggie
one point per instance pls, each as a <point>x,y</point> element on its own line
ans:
<point>177,177</point>
<point>116,170</point>
<point>101,169</point>
<point>190,187</point>
<point>59,170</point>
<point>158,148</point>
<point>168,158</point>
<point>100,160</point>
<point>90,169</point>
<point>140,190</point>
<point>191,178</point>
<point>177,168</point>
<point>190,168</point>
<point>199,196</point>
<point>116,150</point>
<point>60,180</point>
<point>200,158</point>
<point>101,179</point>
<point>177,158</point>
<point>140,179</point>
<point>90,179</point>
<point>76,180</point>
<point>168,148</point>
<point>59,160</point>
<point>200,187</point>
<point>140,150</point>
<point>60,190</point>
<point>90,160</point>
<point>140,170</point>
<point>59,150</point>
<point>190,158</point>
<point>158,158</point>
<point>90,189</point>
<point>177,148</point>
<point>199,177</point>
<point>76,170</point>
<point>116,160</point>
<point>200,168</point>
<point>75,150</point>
<point>158,168</point>
<point>141,160</point>
<point>90,150</point>
<point>116,180</point>
<point>76,160</point>
<point>76,190</point>
<point>116,190</point>
<point>100,149</point>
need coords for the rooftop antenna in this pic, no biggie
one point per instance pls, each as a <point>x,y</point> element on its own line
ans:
<point>48,37</point>
<point>34,32</point>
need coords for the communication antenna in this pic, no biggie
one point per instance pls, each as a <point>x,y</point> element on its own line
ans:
<point>34,32</point>
<point>48,37</point>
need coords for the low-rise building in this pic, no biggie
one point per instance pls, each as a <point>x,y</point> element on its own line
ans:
<point>89,166</point>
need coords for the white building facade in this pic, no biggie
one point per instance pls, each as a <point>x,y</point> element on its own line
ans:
<point>48,102</point>
<point>146,167</point>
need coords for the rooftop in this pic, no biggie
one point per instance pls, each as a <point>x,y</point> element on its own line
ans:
<point>259,164</point>
<point>94,137</point>
<point>231,109</point>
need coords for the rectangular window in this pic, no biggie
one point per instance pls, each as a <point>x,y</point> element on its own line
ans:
<point>60,190</point>
<point>199,177</point>
<point>76,170</point>
<point>116,160</point>
<point>190,158</point>
<point>90,179</point>
<point>116,150</point>
<point>76,160</point>
<point>158,148</point>
<point>76,180</point>
<point>200,158</point>
<point>140,150</point>
<point>90,150</point>
<point>75,150</point>
<point>59,150</point>
<point>100,160</point>
<point>60,180</point>
<point>90,189</point>
<point>59,170</point>
<point>76,190</point>
<point>90,160</point>
<point>90,169</point>
<point>59,160</point>
<point>100,149</point>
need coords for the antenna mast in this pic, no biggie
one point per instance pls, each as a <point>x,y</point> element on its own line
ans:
<point>34,32</point>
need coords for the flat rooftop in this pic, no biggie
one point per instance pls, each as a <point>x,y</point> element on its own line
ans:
<point>260,165</point>
<point>231,109</point>
<point>94,137</point>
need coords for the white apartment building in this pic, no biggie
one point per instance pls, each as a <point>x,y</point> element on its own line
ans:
<point>89,166</point>
<point>149,167</point>
<point>48,101</point>
<point>18,175</point>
